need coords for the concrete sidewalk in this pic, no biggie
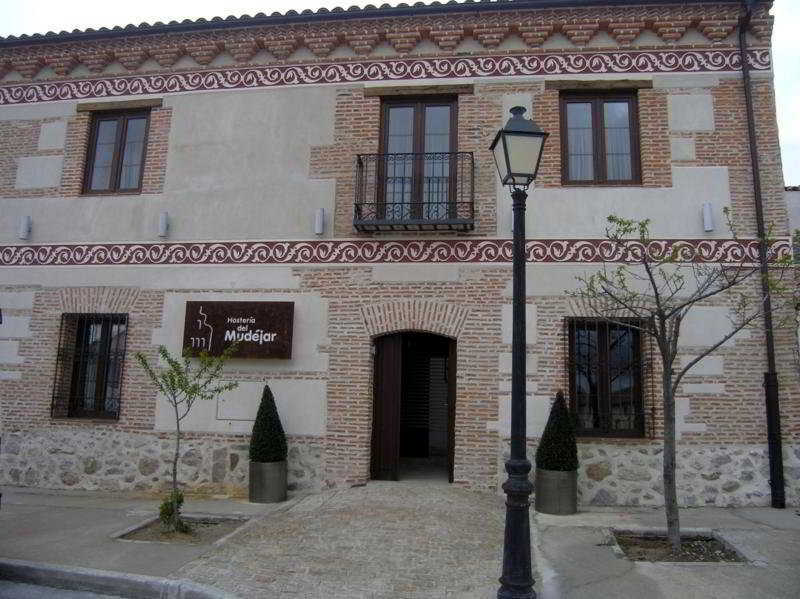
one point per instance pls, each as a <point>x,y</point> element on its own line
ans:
<point>575,561</point>
<point>75,528</point>
<point>399,541</point>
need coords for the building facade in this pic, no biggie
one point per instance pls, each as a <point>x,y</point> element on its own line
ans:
<point>162,184</point>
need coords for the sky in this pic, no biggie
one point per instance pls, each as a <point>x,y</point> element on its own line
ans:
<point>40,16</point>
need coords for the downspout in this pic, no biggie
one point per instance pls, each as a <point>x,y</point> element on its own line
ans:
<point>773,411</point>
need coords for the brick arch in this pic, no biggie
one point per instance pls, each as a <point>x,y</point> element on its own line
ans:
<point>418,315</point>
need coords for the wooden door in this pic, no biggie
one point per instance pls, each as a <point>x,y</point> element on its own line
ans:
<point>451,409</point>
<point>386,407</point>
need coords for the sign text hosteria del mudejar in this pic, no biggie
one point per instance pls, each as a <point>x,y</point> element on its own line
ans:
<point>260,329</point>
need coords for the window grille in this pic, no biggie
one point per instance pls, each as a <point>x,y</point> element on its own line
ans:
<point>605,366</point>
<point>89,364</point>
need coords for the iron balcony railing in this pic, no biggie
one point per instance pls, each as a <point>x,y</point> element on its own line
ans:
<point>431,191</point>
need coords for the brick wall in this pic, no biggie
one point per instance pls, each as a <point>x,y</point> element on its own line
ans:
<point>21,139</point>
<point>26,401</point>
<point>155,158</point>
<point>468,309</point>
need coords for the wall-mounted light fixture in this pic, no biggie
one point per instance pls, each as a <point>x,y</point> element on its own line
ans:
<point>25,226</point>
<point>319,221</point>
<point>708,217</point>
<point>163,224</point>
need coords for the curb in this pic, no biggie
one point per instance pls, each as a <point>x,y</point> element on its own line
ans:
<point>133,586</point>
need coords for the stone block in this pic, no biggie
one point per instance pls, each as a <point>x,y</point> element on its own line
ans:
<point>710,365</point>
<point>39,172</point>
<point>690,112</point>
<point>15,326</point>
<point>16,299</point>
<point>604,497</point>
<point>598,471</point>
<point>705,325</point>
<point>682,148</point>
<point>530,323</point>
<point>684,81</point>
<point>531,363</point>
<point>9,352</point>
<point>52,135</point>
<point>148,466</point>
<point>218,465</point>
<point>704,388</point>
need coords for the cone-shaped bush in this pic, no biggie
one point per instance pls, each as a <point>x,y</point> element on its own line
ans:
<point>268,443</point>
<point>557,450</point>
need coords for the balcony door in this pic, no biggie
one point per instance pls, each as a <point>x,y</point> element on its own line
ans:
<point>417,167</point>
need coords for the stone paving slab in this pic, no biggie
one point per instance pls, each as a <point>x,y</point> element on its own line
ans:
<point>76,528</point>
<point>385,540</point>
<point>576,562</point>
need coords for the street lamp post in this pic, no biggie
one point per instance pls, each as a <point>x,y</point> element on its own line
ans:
<point>517,150</point>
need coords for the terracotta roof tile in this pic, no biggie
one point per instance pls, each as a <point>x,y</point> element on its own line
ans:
<point>307,15</point>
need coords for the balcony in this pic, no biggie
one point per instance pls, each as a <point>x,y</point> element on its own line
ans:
<point>415,192</point>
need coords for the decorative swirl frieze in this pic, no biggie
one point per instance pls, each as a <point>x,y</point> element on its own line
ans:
<point>674,61</point>
<point>380,252</point>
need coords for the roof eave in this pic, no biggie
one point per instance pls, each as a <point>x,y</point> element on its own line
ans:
<point>308,16</point>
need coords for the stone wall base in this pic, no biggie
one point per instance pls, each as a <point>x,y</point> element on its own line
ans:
<point>708,475</point>
<point>112,460</point>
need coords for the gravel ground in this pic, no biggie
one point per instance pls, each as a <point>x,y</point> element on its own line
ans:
<point>381,541</point>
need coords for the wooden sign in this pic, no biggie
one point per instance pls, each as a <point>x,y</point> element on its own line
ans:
<point>260,329</point>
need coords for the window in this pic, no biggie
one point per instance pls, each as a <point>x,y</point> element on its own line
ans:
<point>418,142</point>
<point>418,181</point>
<point>115,158</point>
<point>605,378</point>
<point>91,353</point>
<point>600,139</point>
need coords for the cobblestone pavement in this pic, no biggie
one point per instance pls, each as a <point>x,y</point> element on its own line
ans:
<point>385,540</point>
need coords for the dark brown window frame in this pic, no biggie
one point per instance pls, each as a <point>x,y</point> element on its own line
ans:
<point>597,99</point>
<point>639,384</point>
<point>418,103</point>
<point>71,366</point>
<point>122,117</point>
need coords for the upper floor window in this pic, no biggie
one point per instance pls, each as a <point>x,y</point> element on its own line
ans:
<point>115,158</point>
<point>418,137</point>
<point>91,353</point>
<point>600,139</point>
<point>605,378</point>
<point>418,180</point>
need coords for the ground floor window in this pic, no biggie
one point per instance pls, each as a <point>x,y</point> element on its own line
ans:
<point>605,378</point>
<point>88,377</point>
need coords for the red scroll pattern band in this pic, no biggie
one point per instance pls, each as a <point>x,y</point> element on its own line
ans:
<point>672,61</point>
<point>378,252</point>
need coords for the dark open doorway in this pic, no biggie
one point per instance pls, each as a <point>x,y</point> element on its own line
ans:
<point>414,407</point>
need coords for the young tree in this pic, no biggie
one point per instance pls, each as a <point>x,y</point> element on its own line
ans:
<point>182,382</point>
<point>657,285</point>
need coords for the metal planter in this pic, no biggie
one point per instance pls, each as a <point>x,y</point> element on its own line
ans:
<point>556,492</point>
<point>267,482</point>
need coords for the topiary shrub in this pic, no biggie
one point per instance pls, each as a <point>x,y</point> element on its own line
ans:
<point>268,443</point>
<point>557,449</point>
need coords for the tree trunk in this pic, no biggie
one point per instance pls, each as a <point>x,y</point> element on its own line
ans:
<point>670,492</point>
<point>175,504</point>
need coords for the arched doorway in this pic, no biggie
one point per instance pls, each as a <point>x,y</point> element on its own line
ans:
<point>414,397</point>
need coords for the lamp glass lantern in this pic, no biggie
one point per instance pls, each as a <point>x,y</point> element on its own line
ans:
<point>517,149</point>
